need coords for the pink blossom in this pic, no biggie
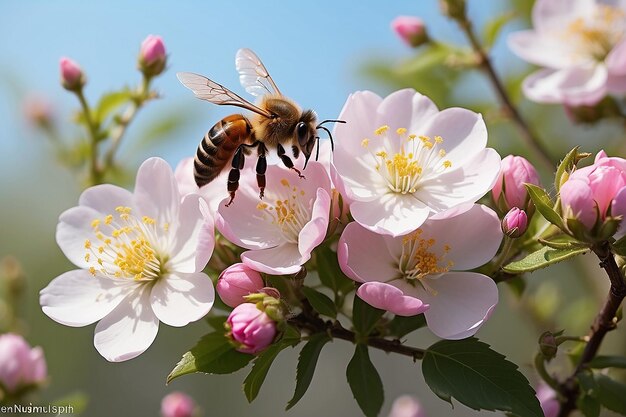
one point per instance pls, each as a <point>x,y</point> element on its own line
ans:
<point>582,48</point>
<point>177,404</point>
<point>410,29</point>
<point>140,256</point>
<point>515,172</point>
<point>152,56</point>
<point>252,329</point>
<point>237,281</point>
<point>592,193</point>
<point>406,406</point>
<point>213,193</point>
<point>20,365</point>
<point>420,272</point>
<point>281,230</point>
<point>399,160</point>
<point>72,76</point>
<point>548,401</point>
<point>515,223</point>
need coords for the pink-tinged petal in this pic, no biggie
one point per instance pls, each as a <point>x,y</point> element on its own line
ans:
<point>128,330</point>
<point>360,123</point>
<point>391,214</point>
<point>195,237</point>
<point>38,369</point>
<point>464,133</point>
<point>355,176</point>
<point>180,299</point>
<point>406,109</point>
<point>616,60</point>
<point>104,198</point>
<point>460,303</point>
<point>618,208</point>
<point>616,84</point>
<point>605,182</point>
<point>577,201</point>
<point>546,51</point>
<point>156,192</point>
<point>552,16</point>
<point>73,230</point>
<point>281,260</point>
<point>77,298</point>
<point>575,86</point>
<point>387,297</point>
<point>600,155</point>
<point>313,233</point>
<point>480,221</point>
<point>184,177</point>
<point>463,184</point>
<point>363,255</point>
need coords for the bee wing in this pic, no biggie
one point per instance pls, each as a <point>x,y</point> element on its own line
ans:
<point>215,93</point>
<point>253,75</point>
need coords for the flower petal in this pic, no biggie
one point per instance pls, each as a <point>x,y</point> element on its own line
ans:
<point>195,237</point>
<point>363,255</point>
<point>406,109</point>
<point>313,233</point>
<point>387,297</point>
<point>104,198</point>
<point>179,299</point>
<point>73,230</point>
<point>358,114</point>
<point>575,86</point>
<point>280,260</point>
<point>391,214</point>
<point>156,192</point>
<point>539,49</point>
<point>184,177</point>
<point>460,303</point>
<point>553,16</point>
<point>616,60</point>
<point>618,208</point>
<point>77,298</point>
<point>129,329</point>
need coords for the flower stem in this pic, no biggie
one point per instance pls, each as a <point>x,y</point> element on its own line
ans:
<point>485,63</point>
<point>603,323</point>
<point>95,174</point>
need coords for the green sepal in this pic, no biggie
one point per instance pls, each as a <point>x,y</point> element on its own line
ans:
<point>544,205</point>
<point>567,165</point>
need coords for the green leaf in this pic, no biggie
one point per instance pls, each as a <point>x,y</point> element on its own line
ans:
<point>542,258</point>
<point>619,247</point>
<point>479,377</point>
<point>330,273</point>
<point>320,302</point>
<point>364,316</point>
<point>494,27</point>
<point>565,167</point>
<point>612,394</point>
<point>589,406</point>
<point>544,205</point>
<point>253,382</point>
<point>110,102</point>
<point>432,56</point>
<point>213,354</point>
<point>365,382</point>
<point>401,326</point>
<point>306,366</point>
<point>600,362</point>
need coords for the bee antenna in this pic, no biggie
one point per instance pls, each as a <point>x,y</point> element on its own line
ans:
<point>330,121</point>
<point>330,136</point>
<point>317,154</point>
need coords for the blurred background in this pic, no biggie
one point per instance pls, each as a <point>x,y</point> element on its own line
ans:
<point>318,53</point>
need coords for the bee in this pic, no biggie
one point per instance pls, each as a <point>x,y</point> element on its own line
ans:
<point>278,122</point>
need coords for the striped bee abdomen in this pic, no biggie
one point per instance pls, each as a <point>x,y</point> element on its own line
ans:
<point>218,145</point>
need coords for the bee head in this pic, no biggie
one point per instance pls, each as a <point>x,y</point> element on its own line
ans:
<point>306,134</point>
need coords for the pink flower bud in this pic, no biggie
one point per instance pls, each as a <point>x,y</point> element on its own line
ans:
<point>72,77</point>
<point>37,111</point>
<point>515,223</point>
<point>152,56</point>
<point>406,406</point>
<point>548,401</point>
<point>577,201</point>
<point>237,281</point>
<point>411,30</point>
<point>177,404</point>
<point>250,328</point>
<point>514,173</point>
<point>20,365</point>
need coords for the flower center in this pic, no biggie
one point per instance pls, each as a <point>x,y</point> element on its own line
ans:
<point>126,246</point>
<point>598,35</point>
<point>288,212</point>
<point>419,157</point>
<point>418,260</point>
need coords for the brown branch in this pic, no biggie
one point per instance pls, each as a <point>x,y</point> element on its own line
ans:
<point>314,325</point>
<point>485,63</point>
<point>603,323</point>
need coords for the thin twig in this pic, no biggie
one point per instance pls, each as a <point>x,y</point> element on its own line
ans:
<point>94,169</point>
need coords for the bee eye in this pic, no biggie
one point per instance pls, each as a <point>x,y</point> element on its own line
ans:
<point>302,132</point>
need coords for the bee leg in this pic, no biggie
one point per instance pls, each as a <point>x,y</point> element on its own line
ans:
<point>287,160</point>
<point>261,167</point>
<point>234,174</point>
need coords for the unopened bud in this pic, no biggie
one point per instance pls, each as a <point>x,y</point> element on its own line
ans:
<point>20,365</point>
<point>411,30</point>
<point>236,282</point>
<point>509,190</point>
<point>548,345</point>
<point>152,57</point>
<point>72,77</point>
<point>177,404</point>
<point>250,329</point>
<point>515,223</point>
<point>453,8</point>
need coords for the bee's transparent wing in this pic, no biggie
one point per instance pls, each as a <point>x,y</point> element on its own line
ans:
<point>253,75</point>
<point>209,90</point>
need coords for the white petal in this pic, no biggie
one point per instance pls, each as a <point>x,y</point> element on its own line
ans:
<point>77,298</point>
<point>555,16</point>
<point>129,330</point>
<point>313,233</point>
<point>574,86</point>
<point>156,192</point>
<point>179,299</point>
<point>73,230</point>
<point>463,302</point>
<point>195,237</point>
<point>184,177</point>
<point>363,255</point>
<point>358,113</point>
<point>281,260</point>
<point>547,51</point>
<point>391,214</point>
<point>464,184</point>
<point>104,198</point>
<point>404,109</point>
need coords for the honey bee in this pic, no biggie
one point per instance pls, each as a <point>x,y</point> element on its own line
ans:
<point>278,122</point>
